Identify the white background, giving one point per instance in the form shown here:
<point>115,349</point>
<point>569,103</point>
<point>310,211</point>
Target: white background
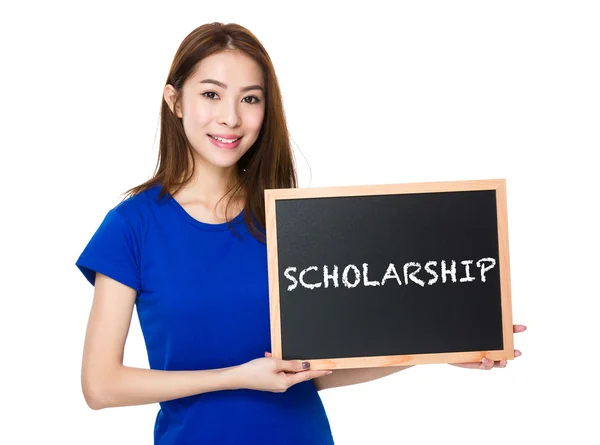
<point>374,93</point>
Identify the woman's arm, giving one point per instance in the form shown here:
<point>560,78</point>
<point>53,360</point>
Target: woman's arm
<point>346,377</point>
<point>106,382</point>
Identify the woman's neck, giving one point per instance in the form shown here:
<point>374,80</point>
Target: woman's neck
<point>207,188</point>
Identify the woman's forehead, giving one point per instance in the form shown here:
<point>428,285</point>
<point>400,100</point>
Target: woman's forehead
<point>229,67</point>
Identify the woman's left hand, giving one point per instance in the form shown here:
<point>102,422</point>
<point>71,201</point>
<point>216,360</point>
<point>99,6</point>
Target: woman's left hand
<point>489,364</point>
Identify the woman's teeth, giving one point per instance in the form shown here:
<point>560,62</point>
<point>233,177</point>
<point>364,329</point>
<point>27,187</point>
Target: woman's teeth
<point>227,141</point>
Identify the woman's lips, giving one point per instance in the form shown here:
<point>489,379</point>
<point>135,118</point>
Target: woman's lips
<point>222,144</point>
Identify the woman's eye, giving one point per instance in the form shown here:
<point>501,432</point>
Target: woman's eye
<point>251,99</point>
<point>210,94</point>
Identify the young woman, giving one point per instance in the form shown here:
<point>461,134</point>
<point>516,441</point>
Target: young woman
<point>187,249</point>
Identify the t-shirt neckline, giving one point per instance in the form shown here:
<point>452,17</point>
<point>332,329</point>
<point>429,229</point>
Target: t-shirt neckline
<point>217,227</point>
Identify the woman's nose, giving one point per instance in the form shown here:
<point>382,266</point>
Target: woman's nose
<point>229,115</point>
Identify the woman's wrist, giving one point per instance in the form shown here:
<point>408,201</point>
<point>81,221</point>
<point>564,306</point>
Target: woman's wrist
<point>232,378</point>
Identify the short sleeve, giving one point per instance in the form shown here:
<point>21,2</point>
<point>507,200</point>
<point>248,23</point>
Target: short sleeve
<point>113,251</point>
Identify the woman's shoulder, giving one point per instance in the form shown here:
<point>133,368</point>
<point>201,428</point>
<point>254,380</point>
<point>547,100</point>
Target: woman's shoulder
<point>139,209</point>
<point>141,202</point>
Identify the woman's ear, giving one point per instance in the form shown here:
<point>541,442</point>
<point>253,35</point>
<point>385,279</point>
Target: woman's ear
<point>170,95</point>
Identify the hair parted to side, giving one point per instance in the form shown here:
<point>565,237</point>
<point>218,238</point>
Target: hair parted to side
<point>268,164</point>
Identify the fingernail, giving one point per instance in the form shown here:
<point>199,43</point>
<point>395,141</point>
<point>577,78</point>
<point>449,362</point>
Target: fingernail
<point>305,365</point>
<point>329,372</point>
<point>486,361</point>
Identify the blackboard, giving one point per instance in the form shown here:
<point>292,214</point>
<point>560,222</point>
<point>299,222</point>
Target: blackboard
<point>382,275</point>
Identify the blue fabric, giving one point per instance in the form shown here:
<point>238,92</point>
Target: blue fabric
<point>202,302</point>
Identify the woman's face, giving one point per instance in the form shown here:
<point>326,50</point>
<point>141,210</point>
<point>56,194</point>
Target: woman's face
<point>222,107</point>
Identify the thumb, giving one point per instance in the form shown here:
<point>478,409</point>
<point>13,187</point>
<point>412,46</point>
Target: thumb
<point>293,365</point>
<point>268,354</point>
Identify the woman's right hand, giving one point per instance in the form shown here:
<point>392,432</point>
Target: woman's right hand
<point>274,375</point>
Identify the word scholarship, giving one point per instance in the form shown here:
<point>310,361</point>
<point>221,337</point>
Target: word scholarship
<point>314,277</point>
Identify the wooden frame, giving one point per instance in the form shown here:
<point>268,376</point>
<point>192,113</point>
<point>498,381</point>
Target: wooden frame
<point>499,185</point>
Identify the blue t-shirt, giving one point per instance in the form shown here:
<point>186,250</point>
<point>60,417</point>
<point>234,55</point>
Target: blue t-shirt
<point>203,303</point>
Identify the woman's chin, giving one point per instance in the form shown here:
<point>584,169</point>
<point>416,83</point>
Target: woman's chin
<point>222,162</point>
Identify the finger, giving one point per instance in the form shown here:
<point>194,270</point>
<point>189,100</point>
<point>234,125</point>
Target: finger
<point>517,353</point>
<point>293,366</point>
<point>307,375</point>
<point>519,328</point>
<point>468,365</point>
<point>268,354</point>
<point>486,364</point>
<point>501,364</point>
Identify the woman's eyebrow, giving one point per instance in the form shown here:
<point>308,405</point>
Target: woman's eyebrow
<point>222,85</point>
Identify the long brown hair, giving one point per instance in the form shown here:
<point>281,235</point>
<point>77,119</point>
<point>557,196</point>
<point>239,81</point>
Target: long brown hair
<point>268,164</point>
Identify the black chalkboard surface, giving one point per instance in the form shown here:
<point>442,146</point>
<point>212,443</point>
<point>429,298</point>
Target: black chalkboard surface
<point>389,275</point>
